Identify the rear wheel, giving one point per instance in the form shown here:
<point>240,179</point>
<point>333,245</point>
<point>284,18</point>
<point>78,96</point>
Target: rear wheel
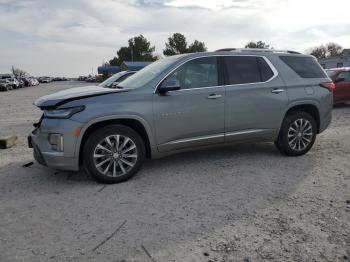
<point>297,135</point>
<point>113,154</point>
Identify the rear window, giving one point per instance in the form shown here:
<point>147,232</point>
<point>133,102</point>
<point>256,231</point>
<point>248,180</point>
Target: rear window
<point>246,70</point>
<point>305,67</point>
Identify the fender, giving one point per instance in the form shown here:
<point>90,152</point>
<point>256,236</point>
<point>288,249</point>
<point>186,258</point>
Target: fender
<point>114,117</point>
<point>298,103</point>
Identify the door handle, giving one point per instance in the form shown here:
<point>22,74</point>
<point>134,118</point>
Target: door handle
<point>277,90</point>
<point>214,96</point>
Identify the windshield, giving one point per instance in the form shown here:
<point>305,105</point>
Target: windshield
<point>109,81</point>
<point>149,72</point>
<point>331,73</point>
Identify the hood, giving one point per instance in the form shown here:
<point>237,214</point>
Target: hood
<point>64,96</point>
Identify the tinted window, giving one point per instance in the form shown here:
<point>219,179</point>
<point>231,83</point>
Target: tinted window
<point>246,69</point>
<point>200,72</point>
<point>265,70</point>
<point>305,67</point>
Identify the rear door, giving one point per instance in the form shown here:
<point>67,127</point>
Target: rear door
<point>194,115</point>
<point>255,98</point>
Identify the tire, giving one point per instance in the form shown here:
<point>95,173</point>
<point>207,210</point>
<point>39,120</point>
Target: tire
<point>297,134</point>
<point>101,147</point>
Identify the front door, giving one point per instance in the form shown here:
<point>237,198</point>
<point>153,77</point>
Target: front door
<point>194,115</point>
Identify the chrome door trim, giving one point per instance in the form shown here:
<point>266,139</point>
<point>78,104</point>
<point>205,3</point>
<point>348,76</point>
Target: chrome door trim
<point>272,67</point>
<point>192,142</point>
<point>243,132</point>
<point>194,139</point>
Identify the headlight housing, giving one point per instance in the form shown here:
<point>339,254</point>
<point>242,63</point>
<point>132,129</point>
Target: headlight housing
<point>63,112</point>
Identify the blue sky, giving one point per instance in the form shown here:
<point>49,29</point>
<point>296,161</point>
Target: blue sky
<point>73,37</point>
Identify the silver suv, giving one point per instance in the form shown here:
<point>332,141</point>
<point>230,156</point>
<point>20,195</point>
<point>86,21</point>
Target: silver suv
<point>182,103</point>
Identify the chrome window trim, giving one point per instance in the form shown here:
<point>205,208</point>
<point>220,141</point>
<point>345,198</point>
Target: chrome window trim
<point>272,67</point>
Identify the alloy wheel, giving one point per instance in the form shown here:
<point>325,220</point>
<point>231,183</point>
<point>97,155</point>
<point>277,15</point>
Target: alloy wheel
<point>115,155</point>
<point>300,134</point>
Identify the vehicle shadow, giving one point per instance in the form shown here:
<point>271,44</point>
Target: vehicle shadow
<point>169,201</point>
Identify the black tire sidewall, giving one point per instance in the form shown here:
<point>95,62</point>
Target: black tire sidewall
<point>96,136</point>
<point>283,144</point>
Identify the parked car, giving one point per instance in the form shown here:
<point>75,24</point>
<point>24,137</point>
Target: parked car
<point>5,85</point>
<point>115,79</point>
<point>341,78</point>
<point>59,79</point>
<point>82,78</point>
<point>182,103</point>
<point>20,83</point>
<point>45,79</point>
<point>33,81</point>
<point>6,76</point>
<point>26,81</point>
<point>14,82</point>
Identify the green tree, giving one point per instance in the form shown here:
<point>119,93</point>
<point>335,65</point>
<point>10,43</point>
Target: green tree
<point>197,46</point>
<point>177,44</point>
<point>138,49</point>
<point>259,44</point>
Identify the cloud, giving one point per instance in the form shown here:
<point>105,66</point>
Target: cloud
<point>69,37</point>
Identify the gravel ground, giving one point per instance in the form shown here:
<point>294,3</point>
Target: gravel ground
<point>239,203</point>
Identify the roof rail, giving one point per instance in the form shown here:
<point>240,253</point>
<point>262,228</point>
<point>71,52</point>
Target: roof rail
<point>226,49</point>
<point>256,50</point>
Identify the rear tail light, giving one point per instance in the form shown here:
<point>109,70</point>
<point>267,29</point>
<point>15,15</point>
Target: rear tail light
<point>328,85</point>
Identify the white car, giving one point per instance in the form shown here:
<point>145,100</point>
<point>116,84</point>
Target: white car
<point>33,81</point>
<point>14,82</point>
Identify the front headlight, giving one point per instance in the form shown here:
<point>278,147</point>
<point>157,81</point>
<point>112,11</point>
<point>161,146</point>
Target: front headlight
<point>64,112</point>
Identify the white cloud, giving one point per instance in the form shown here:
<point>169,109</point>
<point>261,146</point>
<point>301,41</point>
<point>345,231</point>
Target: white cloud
<point>69,37</point>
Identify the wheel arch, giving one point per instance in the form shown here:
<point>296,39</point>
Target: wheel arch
<point>309,107</point>
<point>136,123</point>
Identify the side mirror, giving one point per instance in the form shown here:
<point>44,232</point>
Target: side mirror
<point>169,85</point>
<point>340,79</point>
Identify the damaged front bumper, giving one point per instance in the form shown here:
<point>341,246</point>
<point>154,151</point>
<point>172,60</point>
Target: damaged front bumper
<point>43,151</point>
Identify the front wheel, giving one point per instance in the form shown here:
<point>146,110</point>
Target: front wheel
<point>297,135</point>
<point>113,154</point>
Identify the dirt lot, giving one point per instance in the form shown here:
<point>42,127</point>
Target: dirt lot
<point>240,203</point>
